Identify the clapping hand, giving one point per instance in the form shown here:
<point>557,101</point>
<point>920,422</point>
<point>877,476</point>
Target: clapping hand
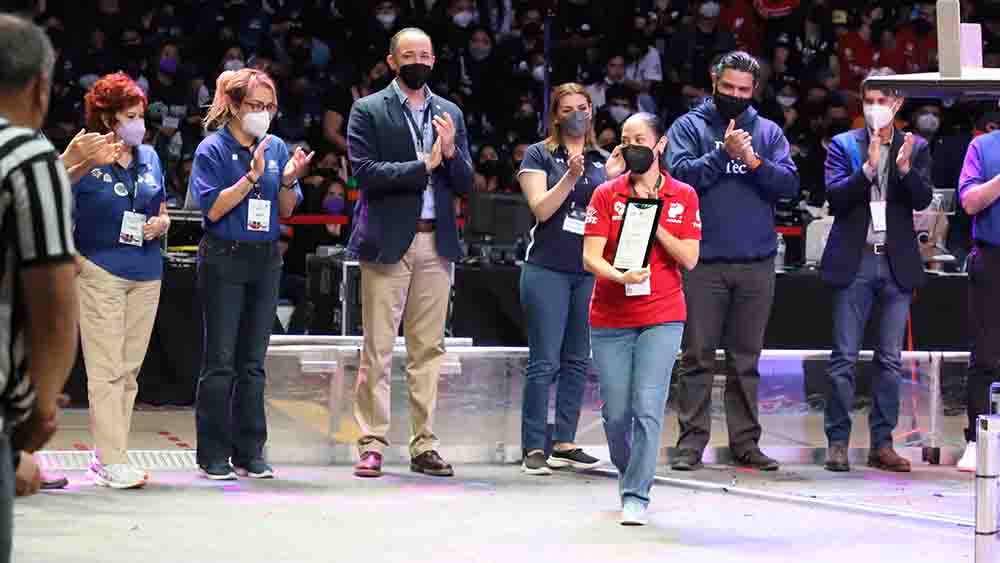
<point>257,166</point>
<point>93,148</point>
<point>576,163</point>
<point>444,125</point>
<point>297,166</point>
<point>738,143</point>
<point>905,152</point>
<point>433,160</point>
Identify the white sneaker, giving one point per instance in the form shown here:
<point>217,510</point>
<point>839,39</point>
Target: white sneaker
<point>634,514</point>
<point>117,476</point>
<point>968,462</point>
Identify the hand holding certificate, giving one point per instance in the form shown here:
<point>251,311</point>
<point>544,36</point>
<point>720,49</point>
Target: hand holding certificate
<point>638,232</point>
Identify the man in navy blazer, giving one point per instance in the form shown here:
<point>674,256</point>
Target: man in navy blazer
<point>409,151</point>
<point>876,178</point>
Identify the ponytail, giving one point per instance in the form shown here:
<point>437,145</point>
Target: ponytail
<point>230,88</point>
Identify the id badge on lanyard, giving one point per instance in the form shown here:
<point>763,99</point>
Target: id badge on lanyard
<point>878,216</point>
<point>259,215</point>
<point>131,231</point>
<point>132,223</point>
<point>575,219</point>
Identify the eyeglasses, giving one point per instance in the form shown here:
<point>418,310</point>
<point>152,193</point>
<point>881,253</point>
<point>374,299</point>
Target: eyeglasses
<point>257,106</point>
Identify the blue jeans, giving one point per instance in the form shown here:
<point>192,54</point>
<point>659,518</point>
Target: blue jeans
<point>851,306</point>
<point>635,366</point>
<point>239,294</point>
<point>556,312</point>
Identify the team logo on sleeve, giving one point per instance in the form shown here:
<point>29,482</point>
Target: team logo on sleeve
<point>272,166</point>
<point>675,212</point>
<point>591,215</point>
<point>619,211</point>
<point>96,173</point>
<point>697,219</point>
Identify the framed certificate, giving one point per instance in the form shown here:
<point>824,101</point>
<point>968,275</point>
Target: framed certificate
<point>637,233</point>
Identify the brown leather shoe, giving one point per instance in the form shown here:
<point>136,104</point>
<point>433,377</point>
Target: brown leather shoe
<point>836,458</point>
<point>430,463</point>
<point>369,466</point>
<point>887,459</point>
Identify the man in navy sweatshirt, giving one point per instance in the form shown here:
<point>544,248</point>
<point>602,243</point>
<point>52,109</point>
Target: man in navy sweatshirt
<point>740,165</point>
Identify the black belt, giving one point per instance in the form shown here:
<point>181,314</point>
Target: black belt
<point>425,225</point>
<point>237,244</point>
<point>877,248</point>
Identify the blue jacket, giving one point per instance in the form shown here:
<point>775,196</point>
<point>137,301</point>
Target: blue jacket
<point>392,180</point>
<point>848,190</point>
<point>737,204</point>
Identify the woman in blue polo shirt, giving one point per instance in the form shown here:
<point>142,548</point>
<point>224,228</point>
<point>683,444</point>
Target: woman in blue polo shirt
<point>244,180</point>
<point>120,213</point>
<point>558,176</point>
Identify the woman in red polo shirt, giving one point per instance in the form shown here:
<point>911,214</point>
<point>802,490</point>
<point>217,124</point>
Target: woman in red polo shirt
<point>635,335</point>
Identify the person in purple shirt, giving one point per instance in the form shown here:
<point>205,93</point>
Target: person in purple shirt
<point>245,181</point>
<point>979,188</point>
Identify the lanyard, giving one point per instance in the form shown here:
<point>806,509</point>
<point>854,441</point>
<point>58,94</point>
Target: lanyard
<point>413,123</point>
<point>656,188</point>
<point>131,184</point>
<point>257,190</point>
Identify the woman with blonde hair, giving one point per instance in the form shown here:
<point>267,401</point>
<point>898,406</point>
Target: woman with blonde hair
<point>558,176</point>
<point>120,214</point>
<point>245,181</point>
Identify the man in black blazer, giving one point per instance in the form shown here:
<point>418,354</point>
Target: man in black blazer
<point>409,152</point>
<point>876,178</point>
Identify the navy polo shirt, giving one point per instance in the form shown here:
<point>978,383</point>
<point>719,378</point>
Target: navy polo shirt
<point>101,199</point>
<point>981,166</point>
<point>551,245</point>
<point>219,162</point>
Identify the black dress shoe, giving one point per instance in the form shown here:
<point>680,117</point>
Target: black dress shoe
<point>836,458</point>
<point>686,460</point>
<point>757,459</point>
<point>369,466</point>
<point>430,463</point>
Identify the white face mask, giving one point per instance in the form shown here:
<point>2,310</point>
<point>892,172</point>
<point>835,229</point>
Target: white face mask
<point>619,113</point>
<point>233,64</point>
<point>878,117</point>
<point>463,18</point>
<point>256,124</point>
<point>538,73</point>
<point>787,101</point>
<point>928,122</point>
<point>386,19</point>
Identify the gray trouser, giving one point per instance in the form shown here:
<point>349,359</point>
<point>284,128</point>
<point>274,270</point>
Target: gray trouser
<point>728,305</point>
<point>6,499</point>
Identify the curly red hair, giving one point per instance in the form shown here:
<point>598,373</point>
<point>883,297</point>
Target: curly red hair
<point>110,95</point>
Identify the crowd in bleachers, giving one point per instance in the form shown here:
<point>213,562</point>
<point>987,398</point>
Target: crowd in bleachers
<point>633,55</point>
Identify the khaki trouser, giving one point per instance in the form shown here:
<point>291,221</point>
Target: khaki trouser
<point>116,321</point>
<point>417,289</point>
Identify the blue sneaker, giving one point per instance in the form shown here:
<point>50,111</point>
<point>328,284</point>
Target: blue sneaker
<point>221,471</point>
<point>255,469</point>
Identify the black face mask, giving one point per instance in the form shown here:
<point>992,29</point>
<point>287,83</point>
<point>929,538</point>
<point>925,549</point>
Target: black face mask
<point>415,75</point>
<point>490,168</point>
<point>638,158</point>
<point>730,107</point>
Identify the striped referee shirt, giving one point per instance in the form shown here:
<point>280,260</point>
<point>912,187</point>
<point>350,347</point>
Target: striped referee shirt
<point>35,228</point>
